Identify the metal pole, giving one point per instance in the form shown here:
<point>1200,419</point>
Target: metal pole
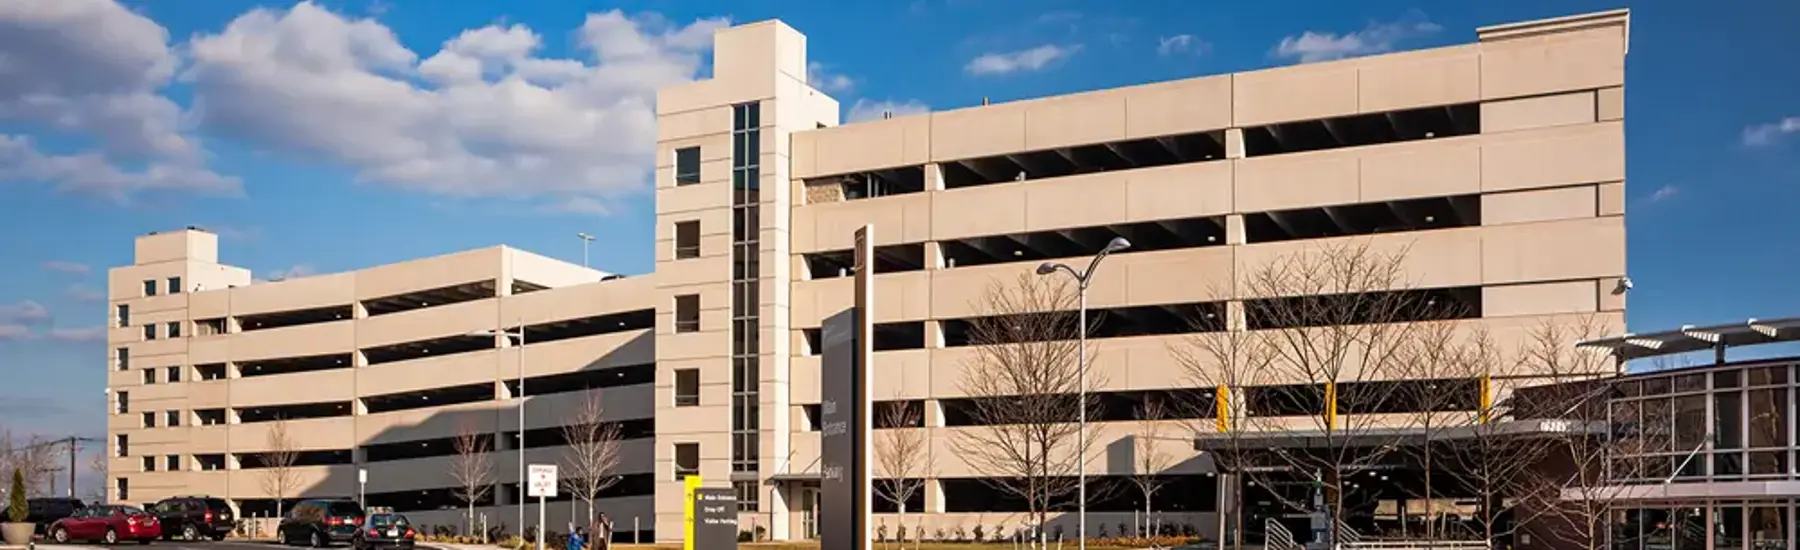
<point>72,466</point>
<point>584,253</point>
<point>540,532</point>
<point>521,441</point>
<point>1081,437</point>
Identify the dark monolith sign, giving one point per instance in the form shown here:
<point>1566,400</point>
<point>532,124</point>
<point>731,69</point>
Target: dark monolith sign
<point>844,390</point>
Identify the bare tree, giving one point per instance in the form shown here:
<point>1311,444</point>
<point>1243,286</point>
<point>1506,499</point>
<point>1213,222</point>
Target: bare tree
<point>1225,361</point>
<point>903,456</point>
<point>593,453</point>
<point>279,477</point>
<point>1446,378</point>
<point>100,468</point>
<point>1574,486</point>
<point>1495,464</point>
<point>1023,384</point>
<point>473,469</point>
<point>35,457</point>
<point>1148,454</point>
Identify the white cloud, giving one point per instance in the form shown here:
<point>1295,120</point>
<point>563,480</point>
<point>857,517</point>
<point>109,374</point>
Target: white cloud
<point>821,77</point>
<point>291,272</point>
<point>83,293</point>
<point>66,267</point>
<point>84,334</point>
<point>1664,193</point>
<point>13,331</point>
<point>483,116</point>
<point>1003,63</point>
<point>1377,37</point>
<point>23,313</point>
<point>1180,43</point>
<point>1766,134</point>
<point>92,69</point>
<point>864,110</point>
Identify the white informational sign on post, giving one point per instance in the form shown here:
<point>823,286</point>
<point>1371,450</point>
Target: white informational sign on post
<point>543,481</point>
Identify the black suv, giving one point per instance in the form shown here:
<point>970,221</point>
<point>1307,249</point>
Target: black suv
<point>45,511</point>
<point>320,522</point>
<point>194,518</point>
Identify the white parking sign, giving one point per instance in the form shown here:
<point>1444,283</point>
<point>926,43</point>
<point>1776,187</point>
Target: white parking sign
<point>543,481</point>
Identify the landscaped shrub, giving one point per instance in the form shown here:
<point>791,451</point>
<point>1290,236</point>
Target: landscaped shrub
<point>16,506</point>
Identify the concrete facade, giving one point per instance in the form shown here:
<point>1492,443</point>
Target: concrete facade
<point>1520,134</point>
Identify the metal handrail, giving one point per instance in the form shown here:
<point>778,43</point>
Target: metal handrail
<point>1277,536</point>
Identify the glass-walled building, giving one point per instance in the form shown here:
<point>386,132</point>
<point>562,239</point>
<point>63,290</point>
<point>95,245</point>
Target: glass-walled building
<point>1705,455</point>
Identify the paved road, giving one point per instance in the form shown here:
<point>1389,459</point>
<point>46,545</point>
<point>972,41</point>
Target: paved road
<point>181,545</point>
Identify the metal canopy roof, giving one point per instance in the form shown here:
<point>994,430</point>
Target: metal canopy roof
<point>1690,338</point>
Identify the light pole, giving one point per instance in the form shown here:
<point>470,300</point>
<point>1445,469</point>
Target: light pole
<point>518,336</point>
<point>585,239</point>
<point>1081,286</point>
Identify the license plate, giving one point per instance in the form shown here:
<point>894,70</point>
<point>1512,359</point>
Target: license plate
<point>393,532</point>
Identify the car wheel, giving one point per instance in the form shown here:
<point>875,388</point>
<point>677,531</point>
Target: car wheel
<point>143,541</point>
<point>112,537</point>
<point>190,533</point>
<point>60,535</point>
<point>218,536</point>
<point>316,540</point>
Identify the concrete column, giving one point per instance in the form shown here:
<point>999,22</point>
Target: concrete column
<point>934,413</point>
<point>934,496</point>
<point>934,256</point>
<point>934,177</point>
<point>1234,143</point>
<point>1235,319</point>
<point>934,334</point>
<point>1234,229</point>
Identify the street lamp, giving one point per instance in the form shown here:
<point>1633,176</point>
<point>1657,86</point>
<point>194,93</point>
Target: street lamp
<point>518,336</point>
<point>585,239</point>
<point>1081,286</point>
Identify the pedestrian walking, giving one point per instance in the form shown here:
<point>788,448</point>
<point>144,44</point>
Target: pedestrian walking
<point>603,532</point>
<point>577,539</point>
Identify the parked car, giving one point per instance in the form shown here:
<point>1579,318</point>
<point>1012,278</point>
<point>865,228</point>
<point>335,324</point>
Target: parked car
<point>45,511</point>
<point>194,517</point>
<point>384,531</point>
<point>320,522</point>
<point>107,523</point>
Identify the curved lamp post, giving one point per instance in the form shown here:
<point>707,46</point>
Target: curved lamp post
<point>1081,285</point>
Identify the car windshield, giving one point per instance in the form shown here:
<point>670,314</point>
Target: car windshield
<point>345,509</point>
<point>387,520</point>
<point>217,504</point>
<point>130,510</point>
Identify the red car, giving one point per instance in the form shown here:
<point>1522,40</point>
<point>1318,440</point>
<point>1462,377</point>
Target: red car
<point>107,523</point>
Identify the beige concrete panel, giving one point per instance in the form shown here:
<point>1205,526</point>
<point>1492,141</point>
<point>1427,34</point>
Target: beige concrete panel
<point>960,292</point>
<point>713,221</point>
<point>714,147</point>
<point>1076,119</point>
<point>1180,191</point>
<point>803,379</point>
<point>208,394</point>
<point>695,271</point>
<point>1442,258</point>
<point>901,374</point>
<point>1539,298</point>
<point>898,297</point>
<point>687,97</point>
<point>320,386</point>
<point>294,341</point>
<point>1281,182</point>
<point>1424,78</point>
<point>1171,276</point>
<point>1610,298</point>
<point>206,304</point>
<point>976,211</point>
<point>599,298</point>
<point>1430,168</point>
<point>158,347</point>
<point>1612,199</point>
<point>1539,205</point>
<point>832,226</point>
<point>310,481</point>
<point>975,132</point>
<point>1610,103</point>
<point>620,402</point>
<point>1177,107</point>
<point>431,372</point>
<point>1586,249</point>
<point>183,244</point>
<point>427,323</point>
<point>1302,92</point>
<point>1076,201</point>
<point>312,433</point>
<point>600,351</point>
<point>206,350</point>
<point>208,439</point>
<point>429,273</point>
<point>436,422</point>
<point>337,289</point>
<point>161,303</point>
<point>1516,336</point>
<point>1567,155</point>
<point>865,146</point>
<point>1541,64</point>
<point>803,153</point>
<point>547,271</point>
<point>689,198</point>
<point>714,344</point>
<point>1538,112</point>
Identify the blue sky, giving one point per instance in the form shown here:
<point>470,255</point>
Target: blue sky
<point>306,134</point>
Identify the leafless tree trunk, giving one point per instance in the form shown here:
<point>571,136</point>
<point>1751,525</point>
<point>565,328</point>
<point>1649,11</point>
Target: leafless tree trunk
<point>904,457</point>
<point>1225,361</point>
<point>593,453</point>
<point>1150,457</point>
<point>279,477</point>
<point>100,468</point>
<point>1024,384</point>
<point>1573,489</point>
<point>1445,373</point>
<point>473,469</point>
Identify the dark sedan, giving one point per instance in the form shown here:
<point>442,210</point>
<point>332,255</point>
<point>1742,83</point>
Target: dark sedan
<point>384,531</point>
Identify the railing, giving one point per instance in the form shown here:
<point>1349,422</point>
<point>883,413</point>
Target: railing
<point>1345,535</point>
<point>1277,536</point>
<point>1417,545</point>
